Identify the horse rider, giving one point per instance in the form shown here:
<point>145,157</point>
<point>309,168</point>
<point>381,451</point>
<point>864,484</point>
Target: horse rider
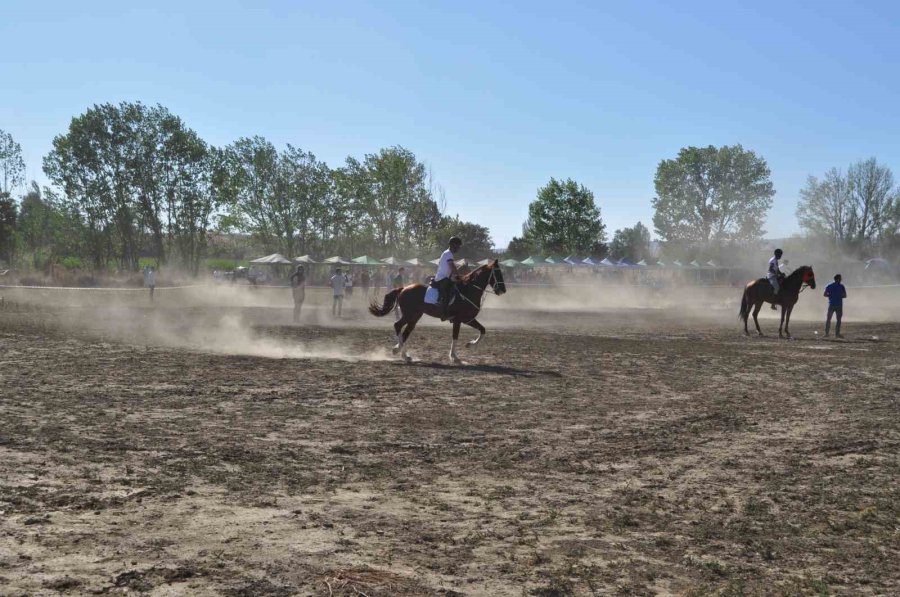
<point>447,275</point>
<point>774,274</point>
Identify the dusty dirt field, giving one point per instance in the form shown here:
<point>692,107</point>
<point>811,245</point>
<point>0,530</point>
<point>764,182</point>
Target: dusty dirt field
<point>150,449</point>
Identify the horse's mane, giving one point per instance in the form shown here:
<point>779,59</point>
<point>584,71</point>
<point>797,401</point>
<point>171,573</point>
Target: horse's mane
<point>472,275</point>
<point>798,272</point>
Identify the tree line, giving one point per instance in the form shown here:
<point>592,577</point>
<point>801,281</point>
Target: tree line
<point>714,201</point>
<point>131,180</point>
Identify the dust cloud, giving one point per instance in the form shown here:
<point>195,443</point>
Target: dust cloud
<point>242,320</point>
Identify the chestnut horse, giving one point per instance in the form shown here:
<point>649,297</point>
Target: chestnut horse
<point>760,291</point>
<point>464,310</point>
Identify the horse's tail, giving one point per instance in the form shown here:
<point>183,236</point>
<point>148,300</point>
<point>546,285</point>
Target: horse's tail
<point>744,313</point>
<point>390,301</point>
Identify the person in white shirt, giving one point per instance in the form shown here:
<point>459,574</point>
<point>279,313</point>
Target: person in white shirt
<point>773,275</point>
<point>348,285</point>
<point>337,287</point>
<point>150,280</point>
<point>447,275</point>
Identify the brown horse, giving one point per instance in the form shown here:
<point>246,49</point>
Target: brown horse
<point>760,291</point>
<point>464,309</point>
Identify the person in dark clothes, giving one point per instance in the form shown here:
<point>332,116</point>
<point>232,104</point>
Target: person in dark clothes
<point>298,288</point>
<point>836,293</point>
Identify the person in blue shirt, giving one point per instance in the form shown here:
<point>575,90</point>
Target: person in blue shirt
<point>836,294</point>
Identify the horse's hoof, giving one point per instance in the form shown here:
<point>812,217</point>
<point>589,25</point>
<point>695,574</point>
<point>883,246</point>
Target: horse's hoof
<point>395,349</point>
<point>407,359</point>
<point>456,360</point>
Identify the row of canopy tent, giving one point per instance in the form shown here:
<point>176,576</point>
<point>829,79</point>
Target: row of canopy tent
<point>363,260</point>
<point>534,261</point>
<point>573,261</point>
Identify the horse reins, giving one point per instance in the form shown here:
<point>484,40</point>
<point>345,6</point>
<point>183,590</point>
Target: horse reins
<point>488,288</point>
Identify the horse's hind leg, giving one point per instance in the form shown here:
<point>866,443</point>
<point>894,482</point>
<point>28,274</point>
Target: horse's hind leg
<point>398,327</point>
<point>474,323</point>
<point>403,338</point>
<point>756,309</point>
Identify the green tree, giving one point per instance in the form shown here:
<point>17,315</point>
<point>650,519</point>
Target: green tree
<point>12,166</point>
<point>193,186</point>
<point>307,185</point>
<point>565,219</point>
<point>7,228</point>
<point>252,191</point>
<point>520,247</point>
<point>134,173</point>
<point>631,243</point>
<point>397,191</point>
<point>477,243</point>
<point>36,224</point>
<point>710,194</point>
<point>88,163</point>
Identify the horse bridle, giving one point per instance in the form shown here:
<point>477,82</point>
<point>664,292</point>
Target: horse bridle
<point>804,283</point>
<point>488,289</point>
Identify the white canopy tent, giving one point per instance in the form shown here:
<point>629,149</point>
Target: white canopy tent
<point>273,259</point>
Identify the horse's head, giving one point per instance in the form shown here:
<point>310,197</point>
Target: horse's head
<point>487,276</point>
<point>809,278</point>
<point>496,279</point>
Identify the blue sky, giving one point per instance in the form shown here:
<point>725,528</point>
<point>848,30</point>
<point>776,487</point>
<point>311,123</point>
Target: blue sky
<point>496,97</point>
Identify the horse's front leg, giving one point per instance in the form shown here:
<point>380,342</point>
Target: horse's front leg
<point>787,321</point>
<point>474,323</point>
<point>781,323</point>
<point>453,355</point>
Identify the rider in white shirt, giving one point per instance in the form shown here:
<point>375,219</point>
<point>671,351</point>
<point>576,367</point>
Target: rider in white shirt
<point>774,273</point>
<point>447,275</point>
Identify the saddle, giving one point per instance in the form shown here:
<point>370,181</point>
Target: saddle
<point>433,292</point>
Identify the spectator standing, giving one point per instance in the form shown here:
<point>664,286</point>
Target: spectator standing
<point>836,293</point>
<point>298,289</point>
<point>150,280</point>
<point>348,284</point>
<point>399,281</point>
<point>337,288</point>
<point>365,281</point>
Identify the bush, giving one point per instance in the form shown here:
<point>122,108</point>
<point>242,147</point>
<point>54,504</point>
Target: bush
<point>221,264</point>
<point>72,263</point>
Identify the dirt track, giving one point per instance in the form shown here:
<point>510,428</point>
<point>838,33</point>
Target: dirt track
<point>621,452</point>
